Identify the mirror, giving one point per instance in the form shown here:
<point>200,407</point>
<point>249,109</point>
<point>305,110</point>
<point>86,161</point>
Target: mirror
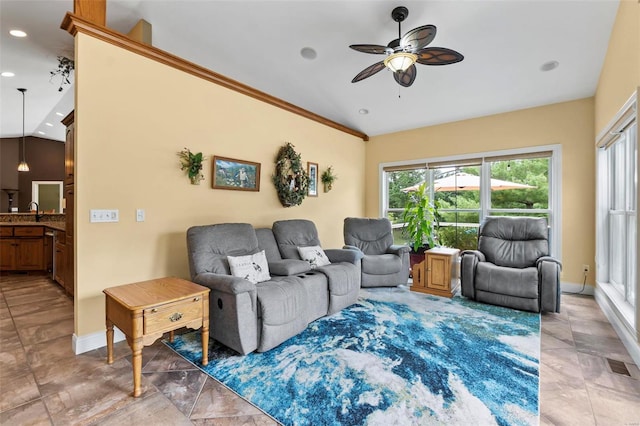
<point>48,195</point>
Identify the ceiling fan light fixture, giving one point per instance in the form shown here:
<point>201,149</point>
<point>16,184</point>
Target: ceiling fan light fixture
<point>400,61</point>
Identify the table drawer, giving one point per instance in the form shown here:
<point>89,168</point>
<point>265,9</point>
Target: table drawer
<point>28,231</point>
<point>6,231</point>
<point>172,315</point>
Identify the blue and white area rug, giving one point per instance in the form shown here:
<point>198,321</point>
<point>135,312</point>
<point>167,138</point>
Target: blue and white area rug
<point>395,357</point>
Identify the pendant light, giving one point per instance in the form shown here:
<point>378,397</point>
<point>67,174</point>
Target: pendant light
<point>23,166</point>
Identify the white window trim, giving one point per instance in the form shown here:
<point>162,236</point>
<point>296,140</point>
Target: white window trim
<point>555,184</point>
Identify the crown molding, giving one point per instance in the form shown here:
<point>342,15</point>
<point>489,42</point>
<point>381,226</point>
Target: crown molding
<point>74,24</point>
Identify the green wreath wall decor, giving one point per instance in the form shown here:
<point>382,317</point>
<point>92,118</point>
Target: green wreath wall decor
<point>291,178</point>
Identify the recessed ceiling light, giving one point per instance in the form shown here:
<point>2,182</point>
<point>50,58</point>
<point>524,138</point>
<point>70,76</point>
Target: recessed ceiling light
<point>8,74</point>
<point>308,53</point>
<point>18,33</point>
<point>363,111</point>
<point>59,114</point>
<point>48,124</point>
<point>548,66</point>
<point>40,132</point>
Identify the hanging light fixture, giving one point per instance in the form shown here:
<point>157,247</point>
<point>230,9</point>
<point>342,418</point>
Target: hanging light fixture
<point>23,166</point>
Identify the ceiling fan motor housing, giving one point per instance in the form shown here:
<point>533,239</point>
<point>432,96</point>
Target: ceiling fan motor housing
<point>400,13</point>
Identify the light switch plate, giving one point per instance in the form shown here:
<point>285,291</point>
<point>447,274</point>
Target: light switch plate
<point>139,215</point>
<point>103,216</point>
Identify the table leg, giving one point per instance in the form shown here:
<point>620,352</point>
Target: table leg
<point>205,344</point>
<point>109,342</point>
<point>171,336</point>
<point>136,360</point>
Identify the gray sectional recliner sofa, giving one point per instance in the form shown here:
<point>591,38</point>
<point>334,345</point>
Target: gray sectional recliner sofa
<point>247,316</point>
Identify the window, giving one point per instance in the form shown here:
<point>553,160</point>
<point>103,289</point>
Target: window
<point>616,214</point>
<point>468,189</point>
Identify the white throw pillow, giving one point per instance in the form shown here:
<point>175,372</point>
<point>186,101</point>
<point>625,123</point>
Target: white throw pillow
<point>314,255</point>
<point>253,267</point>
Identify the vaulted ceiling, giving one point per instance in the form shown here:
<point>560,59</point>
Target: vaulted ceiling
<point>259,43</point>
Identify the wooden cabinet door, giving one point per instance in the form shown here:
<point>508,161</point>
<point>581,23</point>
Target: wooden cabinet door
<point>30,254</point>
<point>438,277</point>
<point>68,268</point>
<point>7,254</point>
<point>70,201</point>
<point>69,149</point>
<point>60,264</point>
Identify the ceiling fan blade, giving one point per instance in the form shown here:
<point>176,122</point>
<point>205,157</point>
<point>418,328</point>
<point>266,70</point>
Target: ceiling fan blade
<point>370,48</point>
<point>438,56</point>
<point>406,78</point>
<point>369,71</point>
<point>418,38</point>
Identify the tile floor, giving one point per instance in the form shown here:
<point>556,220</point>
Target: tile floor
<point>42,382</point>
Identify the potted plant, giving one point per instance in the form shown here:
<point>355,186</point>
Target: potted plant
<point>421,221</point>
<point>192,163</point>
<point>328,178</point>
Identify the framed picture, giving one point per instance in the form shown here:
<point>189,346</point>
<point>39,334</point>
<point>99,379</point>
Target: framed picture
<point>312,171</point>
<point>229,173</point>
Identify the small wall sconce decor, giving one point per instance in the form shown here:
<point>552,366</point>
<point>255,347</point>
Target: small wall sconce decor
<point>64,70</point>
<point>192,163</point>
<point>291,179</point>
<point>328,178</point>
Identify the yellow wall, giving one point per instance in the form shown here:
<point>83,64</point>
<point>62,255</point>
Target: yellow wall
<point>132,116</point>
<point>620,75</point>
<point>569,124</point>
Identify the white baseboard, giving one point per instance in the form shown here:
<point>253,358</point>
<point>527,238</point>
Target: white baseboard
<point>89,342</point>
<point>629,340</point>
<point>567,287</point>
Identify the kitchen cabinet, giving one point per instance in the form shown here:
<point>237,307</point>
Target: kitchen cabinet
<point>22,248</point>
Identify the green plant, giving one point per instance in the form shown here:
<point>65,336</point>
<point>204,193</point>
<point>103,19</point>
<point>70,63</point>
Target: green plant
<point>65,67</point>
<point>192,163</point>
<point>328,177</point>
<point>420,219</point>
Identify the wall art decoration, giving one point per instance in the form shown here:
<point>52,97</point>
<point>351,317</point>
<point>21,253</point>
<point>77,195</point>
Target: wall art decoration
<point>192,163</point>
<point>312,171</point>
<point>240,175</point>
<point>290,179</point>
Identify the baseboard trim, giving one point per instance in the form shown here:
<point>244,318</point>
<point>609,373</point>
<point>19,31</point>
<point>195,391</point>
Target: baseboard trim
<point>610,311</point>
<point>576,288</point>
<point>89,342</point>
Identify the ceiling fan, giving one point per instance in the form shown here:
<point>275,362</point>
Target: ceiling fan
<point>405,51</point>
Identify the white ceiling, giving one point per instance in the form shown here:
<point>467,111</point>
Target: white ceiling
<point>258,43</point>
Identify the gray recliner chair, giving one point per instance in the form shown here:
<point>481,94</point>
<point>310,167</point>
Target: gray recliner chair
<point>383,263</point>
<point>512,266</point>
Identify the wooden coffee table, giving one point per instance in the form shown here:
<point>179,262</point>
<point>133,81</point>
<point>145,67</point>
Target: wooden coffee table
<point>144,311</point>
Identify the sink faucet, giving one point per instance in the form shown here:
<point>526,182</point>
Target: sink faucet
<point>38,216</point>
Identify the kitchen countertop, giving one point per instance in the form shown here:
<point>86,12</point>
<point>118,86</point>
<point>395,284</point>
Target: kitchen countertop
<point>58,226</point>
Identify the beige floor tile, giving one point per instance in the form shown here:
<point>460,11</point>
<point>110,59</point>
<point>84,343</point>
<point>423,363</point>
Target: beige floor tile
<point>594,328</point>
<point>180,387</point>
<point>256,420</point>
<point>597,372</point>
<point>556,333</point>
<point>152,410</point>
<point>607,347</point>
<point>17,391</point>
<point>33,413</point>
<point>560,369</point>
<point>567,407</point>
<point>43,317</point>
<point>95,395</point>
<point>13,363</point>
<point>216,401</point>
<point>41,305</point>
<point>42,333</point>
<point>167,360</point>
<point>612,407</point>
<point>56,352</point>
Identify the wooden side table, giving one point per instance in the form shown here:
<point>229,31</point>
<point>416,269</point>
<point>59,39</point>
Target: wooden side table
<point>438,273</point>
<point>146,310</point>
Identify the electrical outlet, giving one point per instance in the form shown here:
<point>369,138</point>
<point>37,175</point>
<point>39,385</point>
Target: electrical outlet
<point>585,269</point>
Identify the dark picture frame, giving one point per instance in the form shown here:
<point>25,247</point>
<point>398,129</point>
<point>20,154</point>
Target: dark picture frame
<point>312,172</point>
<point>234,174</point>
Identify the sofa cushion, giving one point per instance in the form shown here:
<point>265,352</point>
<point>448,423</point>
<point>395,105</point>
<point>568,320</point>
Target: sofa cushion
<point>314,255</point>
<point>294,233</point>
<point>508,281</point>
<point>253,267</point>
<point>288,267</point>
<point>516,242</point>
<point>381,264</point>
<point>372,236</point>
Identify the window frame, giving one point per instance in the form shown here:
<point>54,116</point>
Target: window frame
<point>555,185</point>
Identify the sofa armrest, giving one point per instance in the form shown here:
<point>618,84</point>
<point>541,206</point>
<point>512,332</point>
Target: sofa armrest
<point>344,255</point>
<point>224,283</point>
<point>348,247</point>
<point>287,267</point>
<point>398,249</point>
<point>478,254</point>
<point>549,259</point>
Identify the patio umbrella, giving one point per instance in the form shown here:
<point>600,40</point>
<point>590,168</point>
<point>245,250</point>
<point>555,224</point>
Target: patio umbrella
<point>466,182</point>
